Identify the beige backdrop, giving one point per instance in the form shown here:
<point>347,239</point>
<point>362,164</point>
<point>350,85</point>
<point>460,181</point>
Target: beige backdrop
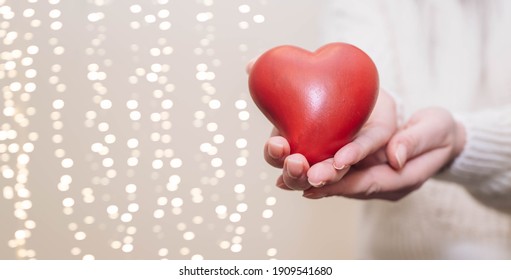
<point>127,132</point>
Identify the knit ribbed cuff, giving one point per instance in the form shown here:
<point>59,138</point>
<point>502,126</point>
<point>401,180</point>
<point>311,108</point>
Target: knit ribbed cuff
<point>484,165</point>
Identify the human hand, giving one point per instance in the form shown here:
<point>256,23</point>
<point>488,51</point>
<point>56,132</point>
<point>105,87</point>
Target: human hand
<point>429,141</point>
<point>365,150</point>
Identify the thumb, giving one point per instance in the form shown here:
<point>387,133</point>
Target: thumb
<point>426,130</point>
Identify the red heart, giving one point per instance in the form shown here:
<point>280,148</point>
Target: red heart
<point>317,100</point>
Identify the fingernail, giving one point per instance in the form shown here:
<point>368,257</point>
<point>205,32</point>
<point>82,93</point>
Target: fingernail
<point>276,146</point>
<point>401,155</point>
<point>294,168</point>
<point>280,184</point>
<point>342,167</point>
<point>316,184</point>
<point>312,195</point>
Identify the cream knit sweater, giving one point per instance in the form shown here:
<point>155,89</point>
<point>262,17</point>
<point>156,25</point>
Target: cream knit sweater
<point>455,54</point>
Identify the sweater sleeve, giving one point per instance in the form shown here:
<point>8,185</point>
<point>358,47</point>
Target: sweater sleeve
<point>484,165</point>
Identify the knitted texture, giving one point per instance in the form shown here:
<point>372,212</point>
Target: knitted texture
<point>484,166</point>
<point>452,54</point>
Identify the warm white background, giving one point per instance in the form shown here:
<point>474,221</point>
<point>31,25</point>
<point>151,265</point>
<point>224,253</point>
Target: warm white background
<point>80,78</point>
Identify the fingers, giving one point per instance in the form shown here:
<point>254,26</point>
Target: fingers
<point>294,167</point>
<point>370,139</point>
<point>373,136</point>
<point>427,130</point>
<point>384,182</point>
<point>324,173</point>
<point>294,172</point>
<point>276,150</point>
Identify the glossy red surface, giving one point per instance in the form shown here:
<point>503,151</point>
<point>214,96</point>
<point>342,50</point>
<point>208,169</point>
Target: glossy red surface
<point>318,100</point>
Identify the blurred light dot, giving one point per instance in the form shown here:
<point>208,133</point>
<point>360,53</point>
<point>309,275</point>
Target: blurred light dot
<point>132,143</point>
<point>58,104</point>
<point>158,214</point>
<point>110,138</point>
<point>243,25</point>
<point>132,161</point>
<point>80,235</point>
<point>155,51</point>
<point>150,18</point>
<point>135,25</point>
<point>272,252</point>
<point>237,239</point>
<point>244,9</point>
<point>58,50</point>
<point>127,248</point>
<point>30,87</point>
<point>202,17</point>
<point>244,115</point>
<point>211,127</point>
<point>176,163</point>
<point>68,202</point>
<point>239,188</point>
<point>167,104</point>
<point>163,252</point>
<point>95,17</point>
<point>240,104</point>
<point>163,13</point>
<point>165,25</point>
<point>56,25</point>
<point>258,18</point>
<point>157,164</point>
<point>216,162</point>
<point>236,248</point>
<point>126,217</point>
<point>20,234</point>
<point>184,251</point>
<point>67,163</point>
<point>214,104</point>
<point>152,77</point>
<point>240,230</point>
<point>241,143</point>
<point>235,217</point>
<point>132,104</point>
<point>88,220</point>
<point>88,257</point>
<point>162,201</point>
<point>112,209</point>
<point>28,13</point>
<point>270,201</point>
<point>32,49</point>
<point>225,244</point>
<point>198,220</point>
<point>8,192</point>
<point>221,209</point>
<point>116,244</point>
<point>131,188</point>
<point>31,73</point>
<point>135,115</point>
<point>218,138</point>
<point>177,202</point>
<point>108,162</point>
<point>268,213</point>
<point>105,104</point>
<point>135,9</point>
<point>241,161</point>
<point>242,207</point>
<point>188,235</point>
<point>29,224</point>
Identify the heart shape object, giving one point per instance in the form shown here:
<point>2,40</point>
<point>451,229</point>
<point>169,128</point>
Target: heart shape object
<point>317,100</point>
